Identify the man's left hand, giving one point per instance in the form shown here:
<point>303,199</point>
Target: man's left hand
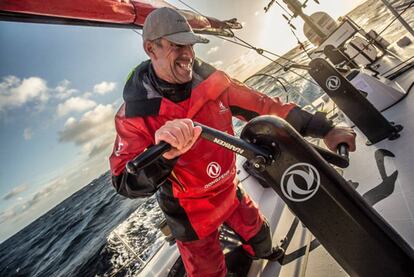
<point>340,135</point>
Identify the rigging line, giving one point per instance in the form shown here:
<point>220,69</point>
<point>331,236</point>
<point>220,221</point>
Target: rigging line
<point>273,61</point>
<point>254,48</point>
<point>371,41</point>
<point>291,70</point>
<point>400,7</point>
<point>135,31</point>
<point>301,44</point>
<point>235,42</point>
<point>258,50</point>
<point>283,8</point>
<point>249,45</point>
<point>399,15</point>
<point>277,79</point>
<point>290,60</point>
<point>191,8</point>
<point>394,67</point>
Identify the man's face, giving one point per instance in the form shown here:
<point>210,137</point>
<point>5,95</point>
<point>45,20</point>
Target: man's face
<point>172,63</point>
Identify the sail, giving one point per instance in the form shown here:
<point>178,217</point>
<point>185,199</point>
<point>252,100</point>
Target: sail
<point>105,13</point>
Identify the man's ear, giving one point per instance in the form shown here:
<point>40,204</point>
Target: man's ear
<point>149,48</point>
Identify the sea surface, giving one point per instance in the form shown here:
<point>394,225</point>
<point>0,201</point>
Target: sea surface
<point>96,232</point>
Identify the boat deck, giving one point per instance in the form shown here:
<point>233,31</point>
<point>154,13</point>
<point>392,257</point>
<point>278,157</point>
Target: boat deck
<point>382,174</point>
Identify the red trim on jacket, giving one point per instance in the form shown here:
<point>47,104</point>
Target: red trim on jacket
<point>205,177</point>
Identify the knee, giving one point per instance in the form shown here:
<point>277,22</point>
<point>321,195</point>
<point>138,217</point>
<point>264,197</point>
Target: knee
<point>262,241</point>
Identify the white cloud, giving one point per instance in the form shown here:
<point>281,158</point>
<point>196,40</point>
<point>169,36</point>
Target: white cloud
<point>95,131</point>
<point>217,64</point>
<point>63,91</point>
<point>27,133</point>
<point>15,92</point>
<point>91,126</point>
<point>100,145</point>
<point>87,94</point>
<point>45,192</point>
<point>14,192</point>
<point>245,65</point>
<point>8,214</point>
<point>212,50</point>
<point>70,121</point>
<point>9,81</point>
<point>104,87</point>
<point>74,104</point>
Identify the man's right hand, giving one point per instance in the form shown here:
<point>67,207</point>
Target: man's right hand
<point>180,134</point>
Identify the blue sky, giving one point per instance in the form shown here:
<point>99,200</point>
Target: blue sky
<point>61,85</point>
<point>48,75</point>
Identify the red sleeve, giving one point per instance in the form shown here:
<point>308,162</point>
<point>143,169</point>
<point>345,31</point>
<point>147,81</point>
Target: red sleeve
<point>244,99</point>
<point>131,140</point>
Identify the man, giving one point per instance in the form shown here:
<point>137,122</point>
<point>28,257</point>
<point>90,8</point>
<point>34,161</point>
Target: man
<point>163,96</point>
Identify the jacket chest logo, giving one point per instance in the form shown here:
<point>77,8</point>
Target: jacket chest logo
<point>213,170</point>
<point>119,148</point>
<point>222,108</point>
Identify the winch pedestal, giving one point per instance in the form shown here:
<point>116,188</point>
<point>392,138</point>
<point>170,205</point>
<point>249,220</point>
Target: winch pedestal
<point>351,230</point>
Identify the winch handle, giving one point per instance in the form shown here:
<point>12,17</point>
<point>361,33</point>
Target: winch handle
<point>237,145</point>
<point>232,143</point>
<point>341,159</point>
<point>147,157</point>
<point>343,150</point>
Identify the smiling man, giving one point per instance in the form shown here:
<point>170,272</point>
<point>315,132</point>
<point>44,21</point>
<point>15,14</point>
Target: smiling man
<point>195,182</point>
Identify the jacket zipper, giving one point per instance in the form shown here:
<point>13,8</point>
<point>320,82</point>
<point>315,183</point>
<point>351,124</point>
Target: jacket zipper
<point>178,181</point>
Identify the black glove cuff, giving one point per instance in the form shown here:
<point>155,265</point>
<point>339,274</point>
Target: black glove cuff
<point>306,124</point>
<point>319,126</point>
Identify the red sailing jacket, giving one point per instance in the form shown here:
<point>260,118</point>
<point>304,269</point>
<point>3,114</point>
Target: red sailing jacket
<point>203,180</point>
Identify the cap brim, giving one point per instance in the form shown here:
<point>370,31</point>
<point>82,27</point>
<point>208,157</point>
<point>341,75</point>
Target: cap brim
<point>186,38</point>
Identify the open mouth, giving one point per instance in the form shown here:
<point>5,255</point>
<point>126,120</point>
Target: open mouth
<point>185,65</point>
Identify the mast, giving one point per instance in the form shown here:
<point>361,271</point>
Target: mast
<point>296,7</point>
<point>398,16</point>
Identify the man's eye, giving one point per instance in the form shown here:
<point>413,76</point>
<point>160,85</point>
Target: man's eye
<point>176,46</point>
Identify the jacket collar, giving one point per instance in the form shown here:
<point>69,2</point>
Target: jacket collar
<point>143,97</point>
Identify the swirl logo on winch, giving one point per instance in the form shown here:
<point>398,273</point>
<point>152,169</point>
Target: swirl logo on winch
<point>213,170</point>
<point>300,182</point>
<point>333,83</point>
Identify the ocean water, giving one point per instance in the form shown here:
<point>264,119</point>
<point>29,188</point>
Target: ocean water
<point>70,239</point>
<point>96,232</point>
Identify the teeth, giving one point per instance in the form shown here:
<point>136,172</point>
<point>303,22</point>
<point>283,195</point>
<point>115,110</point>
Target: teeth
<point>186,66</point>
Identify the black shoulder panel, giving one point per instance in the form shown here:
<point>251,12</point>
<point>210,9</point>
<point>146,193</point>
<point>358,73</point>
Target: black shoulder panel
<point>136,94</point>
<point>142,108</point>
<point>203,69</point>
<point>134,89</point>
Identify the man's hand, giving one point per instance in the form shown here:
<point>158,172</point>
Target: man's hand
<point>340,135</point>
<point>180,133</point>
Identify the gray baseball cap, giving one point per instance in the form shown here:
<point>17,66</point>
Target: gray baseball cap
<point>169,24</point>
